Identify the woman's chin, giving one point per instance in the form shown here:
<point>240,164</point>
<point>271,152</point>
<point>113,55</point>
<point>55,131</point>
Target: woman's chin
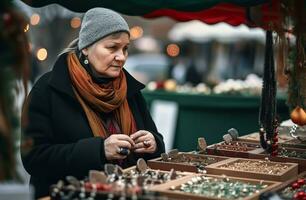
<point>114,74</point>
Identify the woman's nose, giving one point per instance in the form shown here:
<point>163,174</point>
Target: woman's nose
<point>120,56</point>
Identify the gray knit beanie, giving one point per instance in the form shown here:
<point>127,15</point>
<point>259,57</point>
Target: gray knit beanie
<point>98,23</point>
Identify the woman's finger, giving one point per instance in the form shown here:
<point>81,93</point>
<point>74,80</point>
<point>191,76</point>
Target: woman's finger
<point>122,137</point>
<point>138,134</point>
<point>125,144</point>
<point>141,139</point>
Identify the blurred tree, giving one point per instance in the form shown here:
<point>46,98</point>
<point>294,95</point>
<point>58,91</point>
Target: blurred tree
<point>14,53</point>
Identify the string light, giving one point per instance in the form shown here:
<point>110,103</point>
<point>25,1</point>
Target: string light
<point>35,19</point>
<point>173,50</point>
<point>75,22</point>
<point>136,32</point>
<point>42,54</point>
<point>26,28</point>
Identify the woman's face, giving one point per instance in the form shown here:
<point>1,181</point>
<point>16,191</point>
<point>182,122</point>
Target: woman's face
<point>108,55</point>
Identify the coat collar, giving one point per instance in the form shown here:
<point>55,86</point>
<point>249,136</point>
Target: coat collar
<point>60,79</point>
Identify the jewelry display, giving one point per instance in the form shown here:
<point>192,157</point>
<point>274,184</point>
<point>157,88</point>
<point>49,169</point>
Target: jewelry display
<point>295,143</point>
<point>221,188</point>
<point>292,153</point>
<point>200,161</point>
<point>255,137</point>
<point>114,183</point>
<point>235,146</point>
<point>296,191</point>
<point>261,166</point>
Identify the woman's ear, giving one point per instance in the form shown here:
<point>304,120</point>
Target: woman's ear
<point>85,51</point>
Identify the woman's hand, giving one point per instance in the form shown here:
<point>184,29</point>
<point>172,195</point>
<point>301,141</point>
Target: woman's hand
<point>114,143</point>
<point>144,142</point>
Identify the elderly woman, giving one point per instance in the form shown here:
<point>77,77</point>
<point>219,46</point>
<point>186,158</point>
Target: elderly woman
<point>88,110</point>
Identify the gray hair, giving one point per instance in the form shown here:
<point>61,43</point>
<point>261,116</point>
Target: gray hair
<point>72,47</point>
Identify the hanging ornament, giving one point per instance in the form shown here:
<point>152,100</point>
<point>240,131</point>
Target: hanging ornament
<point>267,115</point>
<point>298,116</point>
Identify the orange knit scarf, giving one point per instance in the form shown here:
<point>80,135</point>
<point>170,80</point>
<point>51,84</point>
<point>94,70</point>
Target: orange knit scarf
<point>101,98</point>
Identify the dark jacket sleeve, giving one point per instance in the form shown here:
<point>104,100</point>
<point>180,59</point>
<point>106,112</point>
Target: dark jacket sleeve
<point>150,126</point>
<point>42,156</point>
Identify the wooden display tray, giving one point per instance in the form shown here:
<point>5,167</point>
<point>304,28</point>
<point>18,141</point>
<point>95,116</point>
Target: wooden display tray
<point>254,137</point>
<point>187,167</point>
<point>118,193</point>
<point>261,154</point>
<point>212,150</point>
<point>164,189</point>
<point>278,189</point>
<point>289,173</point>
<point>179,172</point>
<point>289,182</point>
<point>294,143</point>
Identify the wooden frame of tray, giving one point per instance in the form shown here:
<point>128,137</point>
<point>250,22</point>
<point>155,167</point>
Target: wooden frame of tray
<point>215,169</point>
<point>260,154</point>
<point>163,189</point>
<point>254,137</point>
<point>184,173</point>
<point>167,166</point>
<point>232,153</point>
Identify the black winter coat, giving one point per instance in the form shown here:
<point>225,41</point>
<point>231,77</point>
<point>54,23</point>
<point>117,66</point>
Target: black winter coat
<point>63,143</point>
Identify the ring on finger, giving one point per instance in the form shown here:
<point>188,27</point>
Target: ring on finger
<point>123,151</point>
<point>146,143</point>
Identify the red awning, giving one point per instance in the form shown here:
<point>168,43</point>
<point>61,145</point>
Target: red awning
<point>262,15</point>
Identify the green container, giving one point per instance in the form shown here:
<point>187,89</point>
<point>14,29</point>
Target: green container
<point>210,116</point>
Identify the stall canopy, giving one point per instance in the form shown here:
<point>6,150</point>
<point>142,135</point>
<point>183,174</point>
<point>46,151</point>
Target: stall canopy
<point>233,12</point>
<point>221,32</point>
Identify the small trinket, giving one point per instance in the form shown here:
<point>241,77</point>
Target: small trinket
<point>109,168</point>
<point>97,176</point>
<point>119,170</point>
<point>140,180</point>
<point>227,138</point>
<point>172,174</point>
<point>233,133</point>
<point>202,144</point>
<point>173,153</point>
<point>141,165</point>
<point>60,184</point>
<point>73,181</point>
<point>164,156</point>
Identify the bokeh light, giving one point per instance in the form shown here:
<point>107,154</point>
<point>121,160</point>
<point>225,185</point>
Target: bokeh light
<point>136,32</point>
<point>35,19</point>
<point>26,28</point>
<point>75,22</point>
<point>42,54</point>
<point>173,50</point>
